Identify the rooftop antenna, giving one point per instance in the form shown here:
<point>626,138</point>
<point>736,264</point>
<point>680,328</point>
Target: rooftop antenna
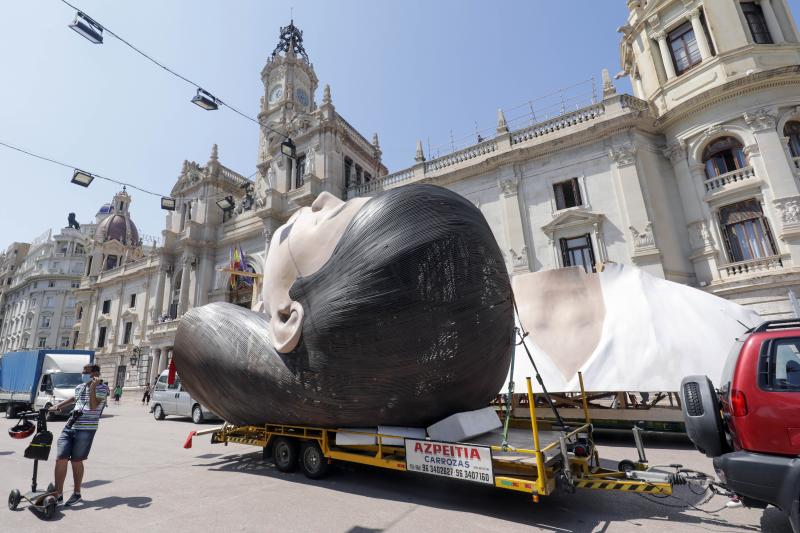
<point>452,141</point>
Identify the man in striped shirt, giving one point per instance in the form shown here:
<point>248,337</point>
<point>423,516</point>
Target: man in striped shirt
<point>76,441</point>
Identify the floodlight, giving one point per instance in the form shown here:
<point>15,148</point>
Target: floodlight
<point>79,177</point>
<point>87,27</point>
<point>167,203</point>
<point>288,148</point>
<point>226,204</point>
<point>206,100</point>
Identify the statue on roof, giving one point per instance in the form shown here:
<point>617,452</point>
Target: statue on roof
<point>72,221</point>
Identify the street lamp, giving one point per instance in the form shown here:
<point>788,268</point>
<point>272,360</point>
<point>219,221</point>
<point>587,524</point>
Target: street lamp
<point>288,148</point>
<point>87,27</point>
<point>226,204</point>
<point>206,100</point>
<point>79,177</point>
<point>167,203</point>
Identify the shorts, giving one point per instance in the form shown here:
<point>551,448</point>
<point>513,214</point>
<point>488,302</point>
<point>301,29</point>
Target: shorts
<point>74,444</point>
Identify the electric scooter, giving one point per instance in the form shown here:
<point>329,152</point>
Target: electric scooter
<point>42,501</point>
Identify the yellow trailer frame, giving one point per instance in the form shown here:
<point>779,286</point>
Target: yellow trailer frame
<point>532,471</point>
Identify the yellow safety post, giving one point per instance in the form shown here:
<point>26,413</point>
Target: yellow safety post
<point>541,482</point>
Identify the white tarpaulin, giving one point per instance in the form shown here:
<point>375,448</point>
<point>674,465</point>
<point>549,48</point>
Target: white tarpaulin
<point>629,332</point>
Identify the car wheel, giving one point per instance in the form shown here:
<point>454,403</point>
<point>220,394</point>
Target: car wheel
<point>313,462</point>
<point>13,499</point>
<point>197,414</point>
<point>284,453</point>
<point>158,412</point>
<point>701,414</point>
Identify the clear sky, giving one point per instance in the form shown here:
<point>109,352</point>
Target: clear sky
<point>407,70</point>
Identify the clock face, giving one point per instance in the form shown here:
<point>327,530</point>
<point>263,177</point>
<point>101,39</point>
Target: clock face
<point>302,97</point>
<point>276,93</point>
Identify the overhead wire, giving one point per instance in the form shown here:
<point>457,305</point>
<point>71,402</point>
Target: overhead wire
<point>174,72</point>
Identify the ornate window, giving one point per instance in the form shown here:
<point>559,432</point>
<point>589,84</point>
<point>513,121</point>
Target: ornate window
<point>577,251</point>
<point>722,156</point>
<point>683,48</point>
<point>299,179</point>
<point>792,131</point>
<point>746,231</point>
<point>756,22</point>
<point>126,336</point>
<point>568,194</point>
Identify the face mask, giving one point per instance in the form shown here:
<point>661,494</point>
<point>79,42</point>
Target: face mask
<point>86,378</point>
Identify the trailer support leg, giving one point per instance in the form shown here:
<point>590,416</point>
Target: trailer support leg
<point>637,437</point>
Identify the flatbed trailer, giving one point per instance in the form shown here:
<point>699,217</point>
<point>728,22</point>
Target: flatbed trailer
<point>533,456</point>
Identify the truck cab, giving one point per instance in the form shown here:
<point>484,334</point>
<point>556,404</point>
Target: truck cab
<point>60,376</point>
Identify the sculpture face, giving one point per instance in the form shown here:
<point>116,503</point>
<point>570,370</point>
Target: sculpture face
<point>300,248</point>
<point>393,310</point>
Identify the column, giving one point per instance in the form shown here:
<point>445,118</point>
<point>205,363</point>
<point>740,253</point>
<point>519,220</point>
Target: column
<point>699,34</point>
<point>514,225</point>
<point>772,21</point>
<point>162,360</point>
<point>641,234</point>
<point>158,307</point>
<point>777,168</point>
<point>183,300</point>
<point>155,355</point>
<point>666,58</point>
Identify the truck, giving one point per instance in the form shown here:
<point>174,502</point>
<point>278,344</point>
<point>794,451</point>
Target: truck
<point>40,378</point>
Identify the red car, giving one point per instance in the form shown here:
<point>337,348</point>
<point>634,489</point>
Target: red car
<point>750,425</point>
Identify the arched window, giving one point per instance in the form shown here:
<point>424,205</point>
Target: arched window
<point>722,156</point>
<point>746,231</point>
<point>792,131</point>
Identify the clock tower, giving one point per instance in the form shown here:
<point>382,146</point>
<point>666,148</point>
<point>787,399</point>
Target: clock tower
<point>289,87</point>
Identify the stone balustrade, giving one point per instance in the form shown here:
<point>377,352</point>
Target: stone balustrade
<point>380,184</point>
<point>558,123</point>
<point>233,177</point>
<point>754,266</point>
<point>471,152</point>
<point>162,329</point>
<point>735,176</point>
<point>356,137</point>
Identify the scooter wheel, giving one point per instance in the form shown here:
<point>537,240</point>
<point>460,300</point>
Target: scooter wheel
<point>13,499</point>
<point>49,507</point>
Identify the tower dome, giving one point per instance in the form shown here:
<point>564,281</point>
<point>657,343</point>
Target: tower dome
<point>117,225</point>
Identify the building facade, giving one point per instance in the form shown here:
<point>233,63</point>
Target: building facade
<point>39,302</point>
<point>693,178</point>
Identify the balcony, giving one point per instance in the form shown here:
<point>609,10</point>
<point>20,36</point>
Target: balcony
<point>162,329</point>
<point>725,181</point>
<point>754,266</point>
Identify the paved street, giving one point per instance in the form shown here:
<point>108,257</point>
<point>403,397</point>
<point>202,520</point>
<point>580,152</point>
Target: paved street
<point>139,478</point>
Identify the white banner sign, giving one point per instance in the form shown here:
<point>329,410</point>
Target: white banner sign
<point>450,459</point>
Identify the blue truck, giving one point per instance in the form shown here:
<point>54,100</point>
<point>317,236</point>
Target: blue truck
<point>39,378</point>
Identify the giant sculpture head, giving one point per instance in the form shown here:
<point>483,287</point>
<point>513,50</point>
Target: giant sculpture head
<point>390,310</point>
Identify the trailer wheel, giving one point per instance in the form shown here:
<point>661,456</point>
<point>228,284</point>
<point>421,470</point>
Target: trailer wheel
<point>626,465</point>
<point>284,453</point>
<point>158,412</point>
<point>13,499</point>
<point>313,461</point>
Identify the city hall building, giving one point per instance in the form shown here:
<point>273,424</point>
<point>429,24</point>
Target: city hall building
<point>693,178</point>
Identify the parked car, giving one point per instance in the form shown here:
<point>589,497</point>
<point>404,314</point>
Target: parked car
<point>750,426</point>
<point>175,400</point>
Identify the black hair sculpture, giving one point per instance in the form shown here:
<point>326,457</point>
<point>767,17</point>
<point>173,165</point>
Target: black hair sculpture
<point>409,321</point>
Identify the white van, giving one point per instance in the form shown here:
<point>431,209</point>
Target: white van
<point>174,400</point>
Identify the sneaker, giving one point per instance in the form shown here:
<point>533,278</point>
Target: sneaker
<point>60,501</point>
<point>75,498</point>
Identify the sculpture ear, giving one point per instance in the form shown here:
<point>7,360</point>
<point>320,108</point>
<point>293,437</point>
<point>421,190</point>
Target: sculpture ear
<point>286,329</point>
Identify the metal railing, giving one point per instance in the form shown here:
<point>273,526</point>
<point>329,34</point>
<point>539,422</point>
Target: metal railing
<point>718,182</point>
